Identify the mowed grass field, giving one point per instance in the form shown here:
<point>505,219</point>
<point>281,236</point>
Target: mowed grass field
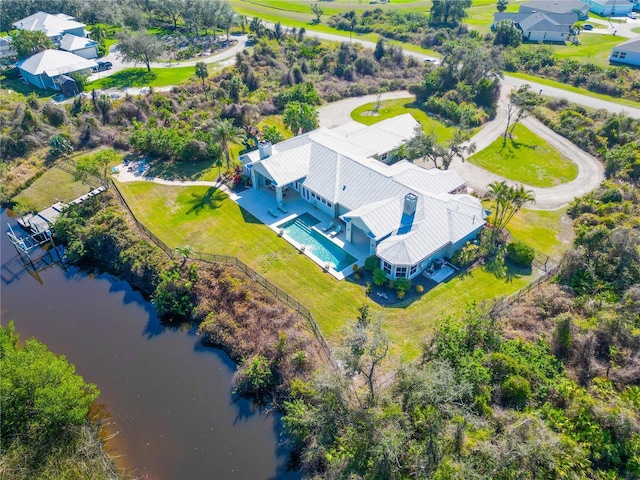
<point>140,77</point>
<point>526,158</point>
<point>209,221</point>
<point>391,108</point>
<point>593,48</point>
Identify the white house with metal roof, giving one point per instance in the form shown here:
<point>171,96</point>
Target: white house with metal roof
<point>53,26</point>
<point>556,6</point>
<point>81,46</point>
<point>43,69</point>
<point>627,53</point>
<point>405,215</point>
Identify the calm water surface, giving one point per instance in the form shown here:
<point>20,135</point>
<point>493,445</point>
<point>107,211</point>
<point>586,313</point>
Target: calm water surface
<point>169,398</point>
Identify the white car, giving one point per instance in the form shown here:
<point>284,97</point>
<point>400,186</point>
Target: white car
<point>632,15</point>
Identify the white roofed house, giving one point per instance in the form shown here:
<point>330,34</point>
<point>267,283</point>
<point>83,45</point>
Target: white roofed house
<point>45,68</point>
<point>81,46</point>
<point>626,53</point>
<point>53,26</point>
<point>405,215</point>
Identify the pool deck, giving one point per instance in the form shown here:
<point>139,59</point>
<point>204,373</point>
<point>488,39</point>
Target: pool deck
<point>258,202</point>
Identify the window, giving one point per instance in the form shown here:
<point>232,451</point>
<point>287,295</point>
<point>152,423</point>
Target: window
<point>387,268</point>
<point>623,55</point>
<point>384,157</point>
<point>615,54</point>
<point>414,269</point>
<point>329,204</point>
<point>401,272</point>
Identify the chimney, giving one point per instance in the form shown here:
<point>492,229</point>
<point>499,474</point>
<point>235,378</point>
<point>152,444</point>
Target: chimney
<point>264,147</point>
<point>410,202</point>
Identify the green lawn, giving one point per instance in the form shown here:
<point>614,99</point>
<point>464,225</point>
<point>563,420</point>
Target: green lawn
<point>480,15</point>
<point>571,88</point>
<point>19,90</point>
<point>593,48</point>
<point>532,227</point>
<point>210,222</point>
<point>526,158</point>
<point>392,108</point>
<point>636,30</point>
<point>297,13</point>
<point>140,77</point>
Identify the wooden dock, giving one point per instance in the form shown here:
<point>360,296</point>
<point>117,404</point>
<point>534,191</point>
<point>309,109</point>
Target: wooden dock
<point>41,222</point>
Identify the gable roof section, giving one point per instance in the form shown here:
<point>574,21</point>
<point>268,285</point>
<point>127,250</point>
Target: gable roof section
<point>556,6</point>
<point>384,136</point>
<point>54,62</point>
<point>286,167</point>
<point>540,22</point>
<point>549,22</point>
<point>629,46</point>
<point>71,43</point>
<point>446,220</point>
<point>51,25</point>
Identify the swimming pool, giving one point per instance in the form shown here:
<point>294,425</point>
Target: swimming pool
<point>299,229</point>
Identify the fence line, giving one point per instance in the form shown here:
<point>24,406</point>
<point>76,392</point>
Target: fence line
<point>231,261</point>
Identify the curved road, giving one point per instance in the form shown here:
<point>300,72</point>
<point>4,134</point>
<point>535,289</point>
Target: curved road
<point>590,172</point>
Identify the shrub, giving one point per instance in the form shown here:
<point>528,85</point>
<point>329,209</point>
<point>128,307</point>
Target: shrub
<point>371,263</point>
<point>379,278</point>
<point>402,285</point>
<point>516,391</point>
<point>465,257</point>
<point>419,288</point>
<point>520,254</point>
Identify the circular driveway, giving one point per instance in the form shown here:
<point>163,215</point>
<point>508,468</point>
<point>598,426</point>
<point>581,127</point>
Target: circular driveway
<point>590,171</point>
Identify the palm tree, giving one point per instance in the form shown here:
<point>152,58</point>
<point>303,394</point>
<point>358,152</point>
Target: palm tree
<point>99,33</point>
<point>223,132</point>
<point>202,72</point>
<point>508,201</point>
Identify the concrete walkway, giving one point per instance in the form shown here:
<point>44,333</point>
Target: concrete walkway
<point>590,171</point>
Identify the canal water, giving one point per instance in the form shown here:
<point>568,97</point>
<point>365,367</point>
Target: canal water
<point>169,399</point>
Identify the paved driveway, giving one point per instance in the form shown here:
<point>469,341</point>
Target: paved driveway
<point>590,172</point>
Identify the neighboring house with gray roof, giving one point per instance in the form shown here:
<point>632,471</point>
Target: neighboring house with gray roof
<point>53,26</point>
<point>44,68</point>
<point>559,6</point>
<point>81,46</point>
<point>627,53</point>
<point>610,8</point>
<point>540,27</point>
<point>6,49</point>
<point>405,215</point>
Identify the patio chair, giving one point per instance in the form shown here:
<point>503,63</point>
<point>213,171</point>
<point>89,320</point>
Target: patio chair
<point>273,212</point>
<point>282,209</point>
<point>336,231</point>
<point>328,226</point>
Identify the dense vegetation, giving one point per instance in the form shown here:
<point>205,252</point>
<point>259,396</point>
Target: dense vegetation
<point>45,430</point>
<point>540,60</point>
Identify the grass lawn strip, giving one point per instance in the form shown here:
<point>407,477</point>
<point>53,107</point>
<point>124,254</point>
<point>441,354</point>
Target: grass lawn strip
<point>207,220</point>
<point>532,228</point>
<point>392,108</point>
<point>140,77</point>
<point>526,158</point>
<point>570,88</point>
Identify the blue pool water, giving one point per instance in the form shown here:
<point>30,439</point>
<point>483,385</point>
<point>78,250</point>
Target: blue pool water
<point>299,229</point>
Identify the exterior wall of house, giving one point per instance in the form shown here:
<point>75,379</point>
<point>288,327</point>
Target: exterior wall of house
<point>619,55</point>
<point>544,36</point>
<point>35,80</point>
<point>454,247</point>
<point>617,9</point>
<point>89,52</point>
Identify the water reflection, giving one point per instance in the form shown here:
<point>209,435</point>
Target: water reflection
<point>168,398</point>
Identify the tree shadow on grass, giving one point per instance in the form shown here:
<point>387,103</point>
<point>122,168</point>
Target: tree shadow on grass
<point>134,77</point>
<point>178,170</point>
<point>210,200</point>
<point>501,268</point>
